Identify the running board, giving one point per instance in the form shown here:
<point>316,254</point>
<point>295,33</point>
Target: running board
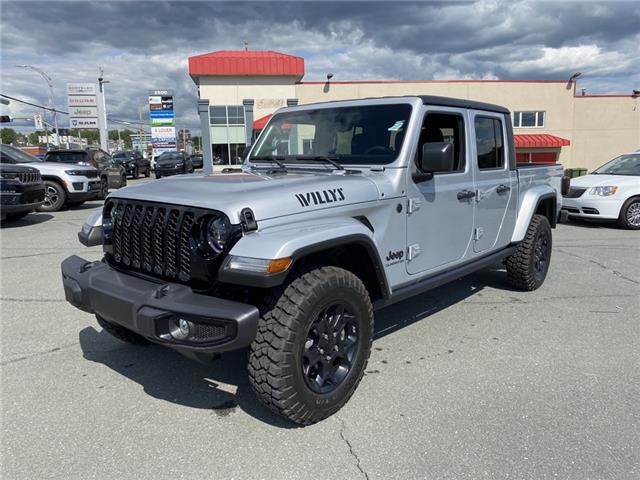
<point>445,277</point>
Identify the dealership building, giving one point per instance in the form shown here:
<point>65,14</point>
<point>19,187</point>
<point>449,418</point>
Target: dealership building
<point>554,121</point>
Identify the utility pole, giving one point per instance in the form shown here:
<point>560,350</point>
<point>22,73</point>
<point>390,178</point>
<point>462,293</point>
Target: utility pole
<point>47,79</point>
<point>102,115</point>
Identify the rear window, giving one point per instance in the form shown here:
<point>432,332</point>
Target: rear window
<point>66,157</point>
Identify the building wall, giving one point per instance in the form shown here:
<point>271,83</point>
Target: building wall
<point>269,92</point>
<point>598,127</point>
<point>604,127</point>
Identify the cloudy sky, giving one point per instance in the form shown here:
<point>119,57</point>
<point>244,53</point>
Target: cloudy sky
<point>145,45</point>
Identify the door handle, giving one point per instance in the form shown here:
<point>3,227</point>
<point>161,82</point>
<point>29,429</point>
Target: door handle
<point>503,189</point>
<point>466,194</point>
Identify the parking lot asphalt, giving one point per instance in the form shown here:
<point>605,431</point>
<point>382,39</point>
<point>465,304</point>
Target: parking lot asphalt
<point>472,380</point>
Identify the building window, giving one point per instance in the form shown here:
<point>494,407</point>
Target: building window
<point>528,119</point>
<point>232,115</point>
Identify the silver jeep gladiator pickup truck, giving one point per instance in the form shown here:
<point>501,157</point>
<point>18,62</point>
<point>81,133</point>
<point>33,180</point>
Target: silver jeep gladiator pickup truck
<point>340,208</point>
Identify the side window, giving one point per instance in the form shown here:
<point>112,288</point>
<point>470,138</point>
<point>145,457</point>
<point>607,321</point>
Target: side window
<point>489,143</point>
<point>444,128</point>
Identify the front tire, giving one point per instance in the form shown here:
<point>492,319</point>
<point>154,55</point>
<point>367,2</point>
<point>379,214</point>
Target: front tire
<point>528,266</point>
<point>136,173</point>
<point>147,172</point>
<point>630,214</point>
<point>104,188</point>
<point>54,197</point>
<point>121,333</point>
<point>312,345</point>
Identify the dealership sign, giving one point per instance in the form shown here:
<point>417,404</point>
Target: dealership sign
<point>79,122</point>
<point>83,105</point>
<point>163,132</point>
<point>83,112</point>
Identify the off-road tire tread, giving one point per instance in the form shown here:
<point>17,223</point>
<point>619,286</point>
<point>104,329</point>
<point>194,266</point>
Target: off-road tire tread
<point>519,273</point>
<point>122,333</point>
<point>270,374</point>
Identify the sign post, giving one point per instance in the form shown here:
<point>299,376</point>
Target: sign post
<point>161,114</point>
<point>83,106</point>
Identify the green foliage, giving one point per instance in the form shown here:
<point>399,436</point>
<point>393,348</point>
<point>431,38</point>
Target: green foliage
<point>9,135</point>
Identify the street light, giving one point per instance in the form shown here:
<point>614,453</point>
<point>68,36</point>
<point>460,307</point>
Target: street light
<point>47,79</point>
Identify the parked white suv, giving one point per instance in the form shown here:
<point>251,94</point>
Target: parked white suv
<point>65,185</point>
<point>611,192</point>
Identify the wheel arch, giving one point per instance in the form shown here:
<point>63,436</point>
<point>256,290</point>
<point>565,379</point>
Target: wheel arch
<point>346,243</point>
<point>539,200</point>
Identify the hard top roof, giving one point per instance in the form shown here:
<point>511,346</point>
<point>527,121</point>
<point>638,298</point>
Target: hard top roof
<point>461,103</point>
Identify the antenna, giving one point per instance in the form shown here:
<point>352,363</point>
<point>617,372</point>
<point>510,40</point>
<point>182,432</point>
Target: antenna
<point>246,45</point>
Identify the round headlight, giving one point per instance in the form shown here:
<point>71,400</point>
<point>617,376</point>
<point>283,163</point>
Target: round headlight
<point>217,232</point>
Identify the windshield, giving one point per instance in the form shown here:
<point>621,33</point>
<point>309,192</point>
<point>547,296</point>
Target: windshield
<point>169,157</point>
<point>15,155</point>
<point>66,157</point>
<point>623,165</point>
<point>362,135</point>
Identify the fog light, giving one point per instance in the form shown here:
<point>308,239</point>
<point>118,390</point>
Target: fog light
<point>184,327</point>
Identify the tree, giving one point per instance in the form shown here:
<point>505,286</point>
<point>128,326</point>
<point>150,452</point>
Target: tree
<point>9,135</point>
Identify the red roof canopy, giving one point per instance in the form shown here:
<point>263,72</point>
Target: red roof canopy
<point>540,140</point>
<point>246,62</point>
<point>261,122</point>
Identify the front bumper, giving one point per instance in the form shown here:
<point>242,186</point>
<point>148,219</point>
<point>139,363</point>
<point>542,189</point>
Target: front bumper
<point>18,197</point>
<point>168,171</point>
<point>153,309</point>
<point>592,206</point>
<point>82,188</point>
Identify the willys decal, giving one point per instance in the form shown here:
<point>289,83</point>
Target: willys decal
<point>321,197</point>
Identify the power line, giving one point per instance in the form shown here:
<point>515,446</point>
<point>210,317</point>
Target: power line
<point>113,120</point>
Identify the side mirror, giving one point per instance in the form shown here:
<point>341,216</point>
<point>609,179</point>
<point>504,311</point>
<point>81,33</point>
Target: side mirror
<point>437,157</point>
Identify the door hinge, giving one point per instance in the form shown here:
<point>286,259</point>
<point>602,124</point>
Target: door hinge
<point>478,233</point>
<point>413,205</point>
<point>413,251</point>
<point>478,195</point>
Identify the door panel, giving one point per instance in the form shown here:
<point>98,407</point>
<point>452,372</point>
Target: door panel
<point>494,185</point>
<point>439,224</point>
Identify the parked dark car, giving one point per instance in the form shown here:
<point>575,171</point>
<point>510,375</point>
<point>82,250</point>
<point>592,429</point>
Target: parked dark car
<point>173,163</point>
<point>112,175</point>
<point>133,162</point>
<point>22,190</point>
<point>198,160</point>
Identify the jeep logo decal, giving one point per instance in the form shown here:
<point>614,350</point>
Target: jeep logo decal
<point>319,198</point>
<point>395,255</point>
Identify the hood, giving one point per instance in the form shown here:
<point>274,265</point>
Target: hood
<point>268,196</point>
<point>54,168</point>
<point>588,181</point>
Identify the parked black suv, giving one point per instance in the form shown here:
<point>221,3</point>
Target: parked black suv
<point>173,163</point>
<point>112,175</point>
<point>22,190</point>
<point>133,162</point>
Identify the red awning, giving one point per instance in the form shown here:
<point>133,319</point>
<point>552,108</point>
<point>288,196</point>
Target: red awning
<point>543,140</point>
<point>246,62</point>
<point>261,122</point>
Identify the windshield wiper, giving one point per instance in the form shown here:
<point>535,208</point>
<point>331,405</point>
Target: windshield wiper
<point>277,159</point>
<point>320,158</point>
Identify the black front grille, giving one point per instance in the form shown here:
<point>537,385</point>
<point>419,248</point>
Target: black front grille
<point>29,177</point>
<point>159,240</point>
<point>90,173</point>
<point>575,192</point>
<point>207,333</point>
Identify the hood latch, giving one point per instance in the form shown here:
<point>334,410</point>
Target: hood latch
<point>248,220</point>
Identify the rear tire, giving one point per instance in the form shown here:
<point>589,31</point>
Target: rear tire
<point>147,172</point>
<point>312,345</point>
<point>158,176</point>
<point>136,173</point>
<point>122,333</point>
<point>104,188</point>
<point>55,196</point>
<point>630,214</point>
<point>528,266</point>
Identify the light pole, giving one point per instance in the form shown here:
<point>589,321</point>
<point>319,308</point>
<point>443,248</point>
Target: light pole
<point>104,131</point>
<point>47,79</point>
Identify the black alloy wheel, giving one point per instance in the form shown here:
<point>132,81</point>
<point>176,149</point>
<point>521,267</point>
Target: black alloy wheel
<point>331,345</point>
<point>541,254</point>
